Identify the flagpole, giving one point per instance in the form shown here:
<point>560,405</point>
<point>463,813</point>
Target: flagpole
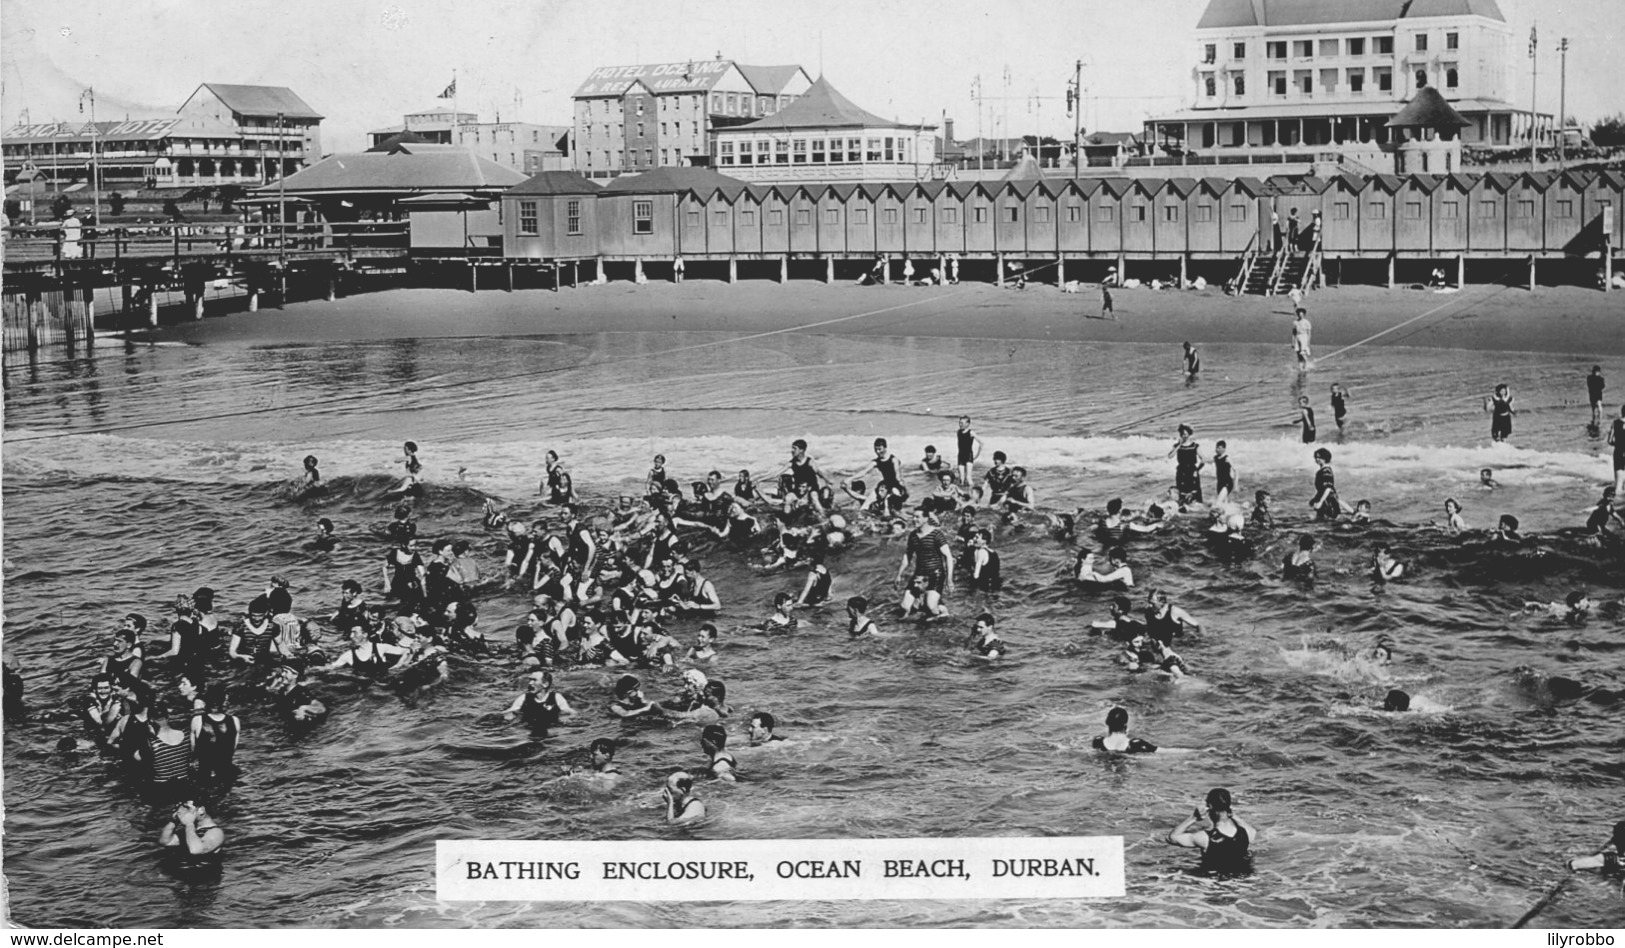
<point>455,138</point>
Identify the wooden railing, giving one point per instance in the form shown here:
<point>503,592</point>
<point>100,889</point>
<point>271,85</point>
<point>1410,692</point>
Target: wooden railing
<point>1249,257</point>
<point>117,243</point>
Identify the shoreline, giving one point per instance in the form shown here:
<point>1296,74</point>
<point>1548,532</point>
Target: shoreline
<point>1570,320</point>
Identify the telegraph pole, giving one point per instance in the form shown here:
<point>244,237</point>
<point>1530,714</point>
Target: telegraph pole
<point>1534,80</point>
<point>281,189</point>
<point>1562,98</point>
<point>95,178</point>
<point>1074,104</point>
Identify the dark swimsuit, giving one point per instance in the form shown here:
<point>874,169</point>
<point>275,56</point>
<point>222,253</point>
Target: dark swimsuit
<point>1326,481</point>
<point>1187,476</point>
<point>216,744</point>
<point>724,758</point>
<point>967,446</point>
<point>1226,854</point>
<point>1162,628</point>
<point>1223,480</point>
<point>1500,417</point>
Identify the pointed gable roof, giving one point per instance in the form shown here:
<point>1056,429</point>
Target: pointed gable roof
<point>1461,181</point>
<point>1500,180</point>
<point>1251,185</point>
<point>1087,186</point>
<point>670,180</point>
<point>964,189</point>
<point>768,80</point>
<point>1351,182</point>
<point>844,190</point>
<point>1215,186</point>
<point>1427,183</point>
<point>821,107</point>
<point>1388,182</point>
<point>1020,189</point>
<point>1613,177</point>
<point>261,101</point>
<point>1427,109</point>
<point>1180,186</point>
<point>556,182</point>
<point>1117,187</point>
<point>931,188</point>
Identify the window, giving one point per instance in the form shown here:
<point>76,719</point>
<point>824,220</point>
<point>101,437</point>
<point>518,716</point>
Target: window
<point>1385,45</point>
<point>1041,215</point>
<point>665,156</point>
<point>1012,214</point>
<point>1421,42</point>
<point>662,129</point>
<point>746,156</point>
<point>1526,208</point>
<point>1413,210</point>
<point>803,216</point>
<point>640,129</point>
<point>1275,49</point>
<point>1139,213</point>
<point>1241,84</point>
<point>775,217</point>
<point>1340,211</point>
<point>1204,213</point>
<point>979,214</point>
<point>1377,211</point>
<point>643,217</point>
<point>1239,51</point>
<point>1486,208</point>
<point>1452,41</point>
<point>832,215</point>
<point>1210,53</point>
<point>527,217</point>
<point>798,151</point>
<point>1449,210</point>
<point>725,152</point>
<point>1303,49</point>
<point>1278,83</point>
<point>1385,79</point>
<point>572,218</point>
<point>693,218</point>
<point>1565,208</point>
<point>1451,78</point>
<point>747,218</point>
<point>1328,47</point>
<point>781,151</point>
<point>1421,78</point>
<point>860,215</point>
<point>919,215</point>
<point>872,153</point>
<point>716,102</point>
<point>1356,78</point>
<point>854,149</point>
<point>1170,213</point>
<point>891,149</point>
<point>1209,86</point>
<point>1105,214</point>
<point>836,154</point>
<point>889,215</point>
<point>1357,46</point>
<point>719,218</point>
<point>950,215</point>
<point>1306,83</point>
<point>1238,212</point>
<point>818,151</point>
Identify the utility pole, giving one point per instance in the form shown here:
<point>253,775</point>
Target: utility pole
<point>981,143</point>
<point>1562,98</point>
<point>281,191</point>
<point>1074,106</point>
<point>95,179</point>
<point>1004,136</point>
<point>1534,80</point>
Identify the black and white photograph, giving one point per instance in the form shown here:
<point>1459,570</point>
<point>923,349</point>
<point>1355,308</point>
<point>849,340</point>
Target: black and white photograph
<point>489,465</point>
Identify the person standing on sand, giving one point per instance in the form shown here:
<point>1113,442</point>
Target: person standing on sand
<point>1594,386</point>
<point>1300,338</point>
<point>1106,311</point>
<point>1616,437</point>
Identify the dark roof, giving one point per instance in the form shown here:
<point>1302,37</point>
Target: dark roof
<point>556,182</point>
<point>1427,109</point>
<point>671,180</point>
<point>1225,14</point>
<point>822,107</point>
<point>261,100</point>
<point>1117,187</point>
<point>1216,185</point>
<point>1427,182</point>
<point>768,80</point>
<point>407,137</point>
<point>1614,177</point>
<point>932,188</point>
<point>407,168</point>
<point>843,190</point>
<point>1181,186</point>
<point>1249,184</point>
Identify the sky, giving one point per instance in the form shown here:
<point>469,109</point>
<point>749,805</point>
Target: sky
<point>364,63</point>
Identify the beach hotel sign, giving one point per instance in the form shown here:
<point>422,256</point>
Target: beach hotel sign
<point>668,77</point>
<point>1059,867</point>
<point>134,129</point>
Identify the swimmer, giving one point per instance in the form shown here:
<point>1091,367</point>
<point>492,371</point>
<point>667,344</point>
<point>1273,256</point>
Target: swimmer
<point>1117,571</point>
<point>1145,654</point>
<point>1120,626</point>
<point>805,474</point>
<point>1262,517</point>
<point>1224,476</point>
<point>1306,418</point>
<point>1325,501</point>
<point>933,463</point>
<point>414,468</point>
<point>1604,515</point>
<point>1616,437</point>
<point>1506,531</point>
<point>1362,512</point>
<point>655,482</point>
<point>1396,702</point>
<point>1594,389</point>
<point>1453,524</point>
<point>368,655</point>
<point>996,481</point>
<point>1226,840</point>
<point>1300,339</point>
<point>313,477</point>
<point>889,469</point>
<point>780,620</point>
<point>1018,495</point>
<point>1188,466</point>
<point>1117,739</point>
<point>682,806</point>
<point>931,558</point>
<point>1383,565</point>
<point>1486,479</point>
<point>970,448</point>
<point>760,728</point>
<point>984,641</point>
<point>705,644</point>
<point>1193,362</point>
<point>293,700</point>
<point>214,735</point>
<point>1574,607</point>
<point>714,742</point>
<point>324,541</point>
<point>1500,406</point>
<point>539,704</point>
<point>1165,621</point>
<point>601,767</point>
<point>191,827</point>
<point>981,563</point>
<point>629,701</point>
<point>1608,862</point>
<point>858,623</point>
<point>1300,564</point>
<point>494,518</point>
<point>403,527</point>
<point>1112,528</point>
<point>948,497</point>
<point>816,590</point>
<point>1340,405</point>
<point>556,484</point>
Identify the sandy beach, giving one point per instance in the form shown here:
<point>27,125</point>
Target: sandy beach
<point>1482,317</point>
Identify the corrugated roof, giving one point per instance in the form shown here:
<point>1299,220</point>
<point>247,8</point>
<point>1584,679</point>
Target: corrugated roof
<point>263,101</point>
<point>821,107</point>
<point>409,168</point>
<point>1228,14</point>
<point>768,80</point>
<point>556,182</point>
<point>671,180</point>
<point>1427,109</point>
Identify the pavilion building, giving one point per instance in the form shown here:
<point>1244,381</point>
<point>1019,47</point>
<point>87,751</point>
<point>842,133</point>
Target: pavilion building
<point>824,137</point>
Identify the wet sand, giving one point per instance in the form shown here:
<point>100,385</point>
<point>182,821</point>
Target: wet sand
<point>1501,318</point>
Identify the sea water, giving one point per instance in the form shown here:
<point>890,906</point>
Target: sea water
<point>142,471</point>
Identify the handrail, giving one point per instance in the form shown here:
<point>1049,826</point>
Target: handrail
<point>1249,256</point>
<point>43,242</point>
<point>1274,285</point>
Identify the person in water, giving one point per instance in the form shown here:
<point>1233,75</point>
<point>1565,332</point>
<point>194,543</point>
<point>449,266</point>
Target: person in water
<point>930,557</point>
<point>705,644</point>
<point>1262,517</point>
<point>1188,466</point>
<point>1453,524</point>
<point>1116,573</point>
<point>1300,564</point>
<point>1500,407</point>
<point>1384,567</point>
<point>682,806</point>
<point>539,705</point>
<point>1325,502</point>
<point>1117,740</point>
<point>858,623</point>
<point>760,729</point>
<point>191,827</point>
<point>1396,702</point>
<point>984,641</point>
<point>1486,479</point>
<point>1574,607</point>
<point>1306,418</point>
<point>1340,405</point>
<point>412,482</point>
<point>1121,626</point>
<point>313,477</point>
<point>1224,475</point>
<point>1193,362</point>
<point>1612,863</point>
<point>629,701</point>
<point>969,449</point>
<point>214,735</point>
<point>1226,841</point>
<point>714,742</point>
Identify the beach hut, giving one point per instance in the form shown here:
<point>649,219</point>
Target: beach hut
<point>1452,203</point>
<point>639,214</point>
<point>773,206</point>
<point>718,213</point>
<point>919,216</point>
<point>1413,220</point>
<point>1138,232</point>
<point>1526,213</point>
<point>1243,216</point>
<point>1487,212</point>
<point>1296,196</point>
<point>747,219</point>
<point>692,230</point>
<point>1072,213</point>
<point>1105,215</point>
<point>1565,211</point>
<point>976,203</point>
<point>890,230</point>
<point>948,215</point>
<point>1377,213</point>
<point>1011,216</point>
<point>831,217</point>
<point>803,207</point>
<point>551,215</point>
<point>1204,207</point>
<point>1603,206</point>
<point>858,213</point>
<point>1170,215</point>
<point>1339,214</point>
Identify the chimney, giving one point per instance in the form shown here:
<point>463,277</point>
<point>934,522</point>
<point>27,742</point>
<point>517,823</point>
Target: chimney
<point>948,132</point>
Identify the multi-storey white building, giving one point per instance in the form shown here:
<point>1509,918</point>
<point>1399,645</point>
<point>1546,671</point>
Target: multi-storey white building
<point>1273,74</point>
<point>523,146</point>
<point>634,118</point>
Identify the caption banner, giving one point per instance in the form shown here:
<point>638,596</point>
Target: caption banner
<point>1050,867</point>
